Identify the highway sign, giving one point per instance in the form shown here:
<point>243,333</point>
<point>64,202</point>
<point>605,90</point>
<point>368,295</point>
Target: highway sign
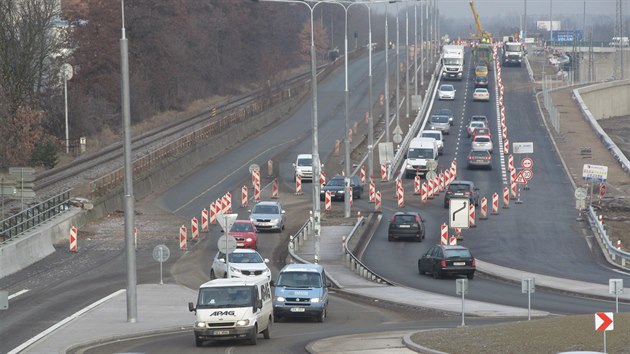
<point>595,173</point>
<point>226,244</point>
<point>615,286</point>
<point>461,286</point>
<point>580,193</point>
<point>528,285</point>
<point>523,148</point>
<point>527,162</point>
<point>458,213</point>
<point>604,321</point>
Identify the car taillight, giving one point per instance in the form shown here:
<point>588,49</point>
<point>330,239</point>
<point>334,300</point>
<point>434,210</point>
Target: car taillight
<point>417,219</point>
<point>443,263</point>
<point>487,158</point>
<point>474,263</point>
<point>471,158</point>
<point>467,193</point>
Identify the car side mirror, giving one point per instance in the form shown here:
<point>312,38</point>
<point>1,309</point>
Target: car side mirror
<point>272,283</point>
<point>476,188</point>
<point>283,212</point>
<point>222,260</point>
<point>191,307</point>
<point>258,304</point>
<point>249,211</point>
<point>294,165</point>
<point>266,260</point>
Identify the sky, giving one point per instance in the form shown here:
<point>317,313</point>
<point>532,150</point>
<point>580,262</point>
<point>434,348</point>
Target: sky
<point>495,8</point>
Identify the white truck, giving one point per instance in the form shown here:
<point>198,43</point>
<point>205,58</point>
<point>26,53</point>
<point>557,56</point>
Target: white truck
<point>513,53</point>
<point>453,62</point>
<point>420,151</point>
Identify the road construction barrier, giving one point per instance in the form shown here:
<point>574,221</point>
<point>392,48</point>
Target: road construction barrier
<point>510,162</point>
<point>269,168</point>
<point>337,147</point>
<point>452,240</point>
<point>447,176</point>
<point>484,209</point>
<point>73,239</point>
<point>327,201</point>
<point>506,146</point>
<point>444,234</point>
<point>416,185</point>
<point>512,172</point>
<point>442,184</point>
<point>377,201</point>
<point>228,199</point>
<point>513,190</point>
<point>204,220</point>
<point>194,228</point>
<point>436,186</point>
<point>471,215</point>
<point>430,189</point>
<point>619,244</point>
<point>224,204</point>
<point>183,242</point>
<point>213,213</point>
<point>244,197</point>
<point>255,177</point>
<point>506,198</point>
<point>400,193</point>
<point>298,185</point>
<point>458,234</point>
<point>350,194</point>
<point>424,192</point>
<point>322,178</point>
<point>275,193</point>
<point>495,204</point>
<point>362,174</point>
<point>384,172</point>
<point>372,190</point>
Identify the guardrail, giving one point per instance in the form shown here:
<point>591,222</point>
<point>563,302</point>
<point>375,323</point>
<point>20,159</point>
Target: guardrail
<point>619,257</point>
<point>33,216</point>
<point>296,241</point>
<point>355,265</point>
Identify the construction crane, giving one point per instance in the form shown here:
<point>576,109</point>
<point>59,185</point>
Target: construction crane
<point>482,35</point>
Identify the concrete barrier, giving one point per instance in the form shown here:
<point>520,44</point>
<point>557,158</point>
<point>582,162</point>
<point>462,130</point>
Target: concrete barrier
<point>608,99</point>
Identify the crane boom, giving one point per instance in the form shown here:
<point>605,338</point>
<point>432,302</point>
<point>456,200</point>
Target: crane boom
<point>482,35</point>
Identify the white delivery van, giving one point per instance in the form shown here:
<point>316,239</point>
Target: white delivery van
<point>303,167</point>
<point>435,134</point>
<point>234,308</point>
<point>420,151</point>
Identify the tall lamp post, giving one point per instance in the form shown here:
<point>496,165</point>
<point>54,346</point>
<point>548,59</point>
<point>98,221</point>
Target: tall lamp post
<point>66,73</point>
<point>315,144</point>
<point>132,298</point>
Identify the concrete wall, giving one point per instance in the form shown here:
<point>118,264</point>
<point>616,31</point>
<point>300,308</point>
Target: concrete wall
<point>609,99</point>
<point>33,246</point>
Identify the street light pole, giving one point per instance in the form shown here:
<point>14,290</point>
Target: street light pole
<point>387,118</point>
<point>415,48</point>
<point>132,299</point>
<point>397,71</point>
<point>370,116</point>
<point>407,66</point>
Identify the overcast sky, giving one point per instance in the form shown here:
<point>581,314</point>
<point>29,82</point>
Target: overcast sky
<point>493,8</point>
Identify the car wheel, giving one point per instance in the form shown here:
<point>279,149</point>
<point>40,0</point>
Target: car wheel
<point>321,316</point>
<point>436,274</point>
<point>267,331</point>
<point>253,340</point>
<point>470,276</point>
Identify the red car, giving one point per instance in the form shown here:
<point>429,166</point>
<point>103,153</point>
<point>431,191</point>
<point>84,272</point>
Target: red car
<point>244,232</point>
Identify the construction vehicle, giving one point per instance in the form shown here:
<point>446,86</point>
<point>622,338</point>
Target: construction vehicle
<point>482,49</point>
<point>513,51</point>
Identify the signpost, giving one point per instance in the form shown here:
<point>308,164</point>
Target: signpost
<point>595,173</point>
<point>604,321</point>
<point>523,148</point>
<point>227,243</point>
<point>458,213</point>
<point>528,287</point>
<point>161,253</point>
<point>615,287</point>
<point>461,287</point>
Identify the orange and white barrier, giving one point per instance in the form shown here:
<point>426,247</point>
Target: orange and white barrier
<point>436,186</point>
<point>362,174</point>
<point>275,193</point>
<point>442,180</point>
<point>224,204</point>
<point>372,191</point>
<point>452,240</point>
<point>257,192</point>
<point>213,213</point>
<point>430,189</point>
<point>495,204</point>
<point>513,189</point>
<point>510,162</point>
<point>255,177</point>
<point>416,185</point>
<point>424,192</point>
<point>458,234</point>
<point>204,220</point>
<point>619,244</point>
<point>506,198</point>
<point>483,215</point>
<point>244,197</point>
<point>447,177</point>
<point>298,185</point>
<point>228,200</point>
<point>377,201</point>
<point>73,239</point>
<point>328,201</point>
<point>506,146</point>
<point>350,194</point>
<point>322,178</point>
<point>400,193</point>
<point>183,242</point>
<point>194,228</point>
<point>384,172</point>
<point>444,234</point>
<point>219,206</point>
<point>471,215</point>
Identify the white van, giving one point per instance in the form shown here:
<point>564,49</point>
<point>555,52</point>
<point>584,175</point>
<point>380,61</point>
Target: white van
<point>435,134</point>
<point>234,308</point>
<point>303,167</point>
<point>420,151</point>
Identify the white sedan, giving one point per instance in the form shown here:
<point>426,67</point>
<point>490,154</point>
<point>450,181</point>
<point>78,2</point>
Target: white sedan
<point>243,263</point>
<point>481,94</point>
<point>446,92</point>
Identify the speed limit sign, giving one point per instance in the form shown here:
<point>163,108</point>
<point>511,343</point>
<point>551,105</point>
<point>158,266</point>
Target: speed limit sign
<point>527,163</point>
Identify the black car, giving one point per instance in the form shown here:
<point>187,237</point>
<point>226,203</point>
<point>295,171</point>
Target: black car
<point>481,81</point>
<point>462,189</point>
<point>406,224</point>
<point>335,186</point>
<point>442,260</point>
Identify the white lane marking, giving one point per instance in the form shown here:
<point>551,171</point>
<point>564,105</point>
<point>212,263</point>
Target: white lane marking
<point>23,291</point>
<point>230,174</point>
<point>63,322</point>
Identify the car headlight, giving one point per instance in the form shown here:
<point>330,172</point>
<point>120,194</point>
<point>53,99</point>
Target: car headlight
<point>314,299</point>
<point>235,270</point>
<point>249,239</point>
<point>200,324</point>
<point>341,191</point>
<point>242,323</point>
<point>280,299</point>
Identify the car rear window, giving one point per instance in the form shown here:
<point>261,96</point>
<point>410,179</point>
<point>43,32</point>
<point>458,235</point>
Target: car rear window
<point>458,187</point>
<point>405,219</point>
<point>482,139</point>
<point>457,253</point>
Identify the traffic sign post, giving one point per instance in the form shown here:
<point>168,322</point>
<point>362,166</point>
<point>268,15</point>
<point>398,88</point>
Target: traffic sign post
<point>528,286</point>
<point>161,253</point>
<point>461,287</point>
<point>604,321</point>
<point>227,243</point>
<point>458,213</point>
<point>615,287</point>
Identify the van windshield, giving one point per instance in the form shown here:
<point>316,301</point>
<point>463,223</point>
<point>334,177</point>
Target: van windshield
<point>305,162</point>
<point>299,280</point>
<point>420,153</point>
<point>219,297</point>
